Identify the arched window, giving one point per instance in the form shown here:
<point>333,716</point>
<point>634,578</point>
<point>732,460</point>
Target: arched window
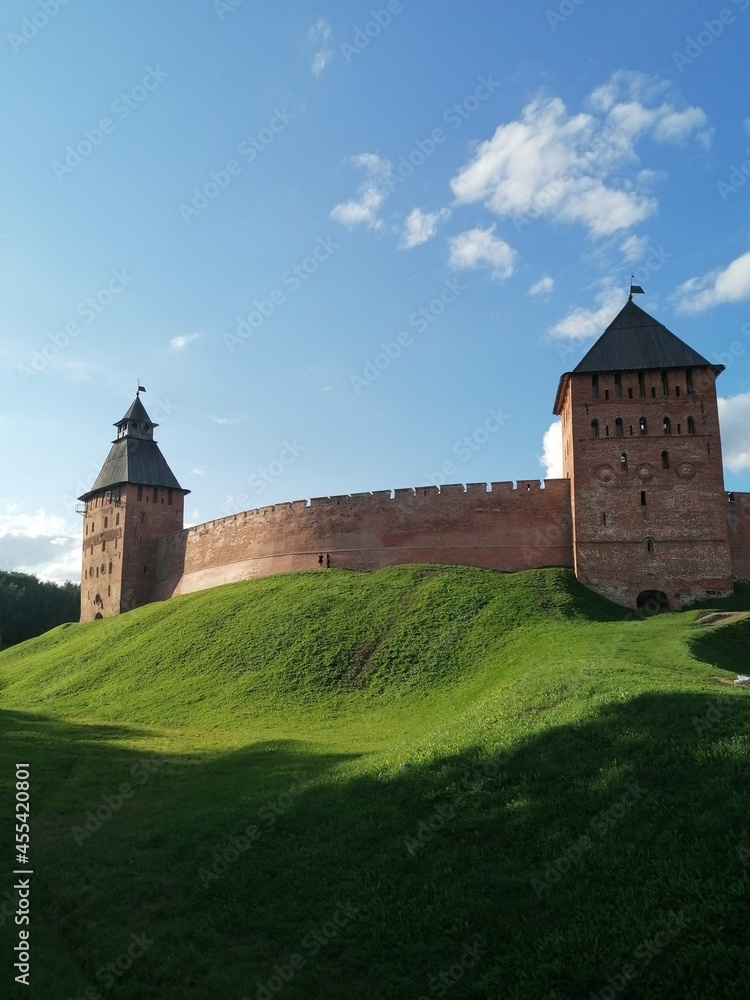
<point>594,428</point>
<point>110,568</point>
<point>624,462</point>
<point>643,425</point>
<point>104,544</point>
<point>595,386</point>
<point>664,384</point>
<point>117,519</point>
<point>665,460</point>
<point>618,428</point>
<point>641,384</point>
<point>106,522</point>
<point>618,385</point>
<point>649,545</point>
<point>691,425</point>
<point>666,426</point>
<point>689,379</point>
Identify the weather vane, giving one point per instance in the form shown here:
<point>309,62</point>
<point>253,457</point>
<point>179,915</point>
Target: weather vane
<point>634,289</point>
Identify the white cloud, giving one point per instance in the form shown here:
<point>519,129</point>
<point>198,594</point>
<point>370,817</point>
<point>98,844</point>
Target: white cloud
<point>734,414</point>
<point>480,248</point>
<point>197,472</point>
<point>633,248</point>
<point>39,543</point>
<point>371,194</point>
<point>320,37</point>
<point>574,168</point>
<point>420,226</point>
<point>732,284</point>
<point>552,451</point>
<point>226,421</point>
<point>581,323</point>
<point>181,342</point>
<point>542,287</point>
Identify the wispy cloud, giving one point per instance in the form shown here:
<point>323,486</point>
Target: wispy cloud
<point>319,36</point>
<point>372,192</point>
<point>481,248</point>
<point>420,226</point>
<point>722,285</point>
<point>581,322</point>
<point>226,421</point>
<point>180,343</point>
<point>542,287</point>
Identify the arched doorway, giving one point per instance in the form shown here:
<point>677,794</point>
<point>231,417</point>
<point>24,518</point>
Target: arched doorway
<point>653,602</point>
<point>98,615</point>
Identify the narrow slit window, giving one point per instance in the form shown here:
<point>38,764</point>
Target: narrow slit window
<point>594,428</point>
<point>689,380</point>
<point>649,545</point>
<point>595,386</point>
<point>666,426</point>
<point>643,498</point>
<point>665,460</point>
<point>618,385</point>
<point>691,425</point>
<point>641,384</point>
<point>624,461</point>
<point>618,428</point>
<point>665,383</point>
<point>643,425</point>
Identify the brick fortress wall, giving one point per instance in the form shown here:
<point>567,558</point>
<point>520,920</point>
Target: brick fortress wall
<point>500,527</point>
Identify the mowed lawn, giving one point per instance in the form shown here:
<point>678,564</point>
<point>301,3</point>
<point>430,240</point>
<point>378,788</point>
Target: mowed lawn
<point>422,782</point>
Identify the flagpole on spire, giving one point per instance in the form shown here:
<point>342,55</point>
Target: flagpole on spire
<point>634,289</point>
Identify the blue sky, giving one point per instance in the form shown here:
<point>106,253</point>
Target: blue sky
<point>348,247</point>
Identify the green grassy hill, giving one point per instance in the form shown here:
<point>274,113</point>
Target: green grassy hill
<point>422,782</point>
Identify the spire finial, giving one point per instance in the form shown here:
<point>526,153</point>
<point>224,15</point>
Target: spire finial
<point>634,289</point>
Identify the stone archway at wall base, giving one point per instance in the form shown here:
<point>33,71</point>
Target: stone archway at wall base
<point>652,602</point>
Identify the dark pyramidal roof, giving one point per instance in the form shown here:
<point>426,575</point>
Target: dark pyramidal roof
<point>134,456</point>
<point>635,341</point>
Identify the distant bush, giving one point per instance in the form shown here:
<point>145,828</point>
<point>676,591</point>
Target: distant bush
<point>29,607</point>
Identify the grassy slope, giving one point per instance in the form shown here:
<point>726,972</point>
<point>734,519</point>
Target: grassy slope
<point>463,758</point>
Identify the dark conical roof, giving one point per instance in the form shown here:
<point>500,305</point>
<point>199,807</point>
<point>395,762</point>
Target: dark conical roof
<point>634,340</point>
<point>134,456</point>
<point>136,411</point>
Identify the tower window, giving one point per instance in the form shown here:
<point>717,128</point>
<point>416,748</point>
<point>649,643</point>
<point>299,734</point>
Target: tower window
<point>665,460</point>
<point>677,390</point>
<point>624,462</point>
<point>595,386</point>
<point>117,519</point>
<point>87,529</point>
<point>104,544</point>
<point>106,521</point>
<point>618,428</point>
<point>643,424</point>
<point>169,496</point>
<point>606,393</point>
<point>641,384</point>
<point>691,425</point>
<point>140,493</point>
<point>594,428</point>
<point>110,568</point>
<point>156,493</point>
<point>618,385</point>
<point>666,426</point>
<point>649,545</point>
<point>630,393</point>
<point>604,517</point>
<point>631,430</point>
<point>730,497</point>
<point>653,391</point>
<point>665,383</point>
<point>643,498</point>
<point>688,380</point>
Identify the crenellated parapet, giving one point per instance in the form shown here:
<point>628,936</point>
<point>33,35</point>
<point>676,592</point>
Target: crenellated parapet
<point>503,526</point>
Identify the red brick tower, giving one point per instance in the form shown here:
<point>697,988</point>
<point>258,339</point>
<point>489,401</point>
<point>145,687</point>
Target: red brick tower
<point>642,450</point>
<point>134,502</point>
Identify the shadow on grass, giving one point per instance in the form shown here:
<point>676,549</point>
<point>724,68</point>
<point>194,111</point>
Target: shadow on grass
<point>602,856</point>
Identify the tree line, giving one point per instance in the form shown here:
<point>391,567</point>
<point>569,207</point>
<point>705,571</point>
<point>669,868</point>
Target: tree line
<point>29,606</point>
